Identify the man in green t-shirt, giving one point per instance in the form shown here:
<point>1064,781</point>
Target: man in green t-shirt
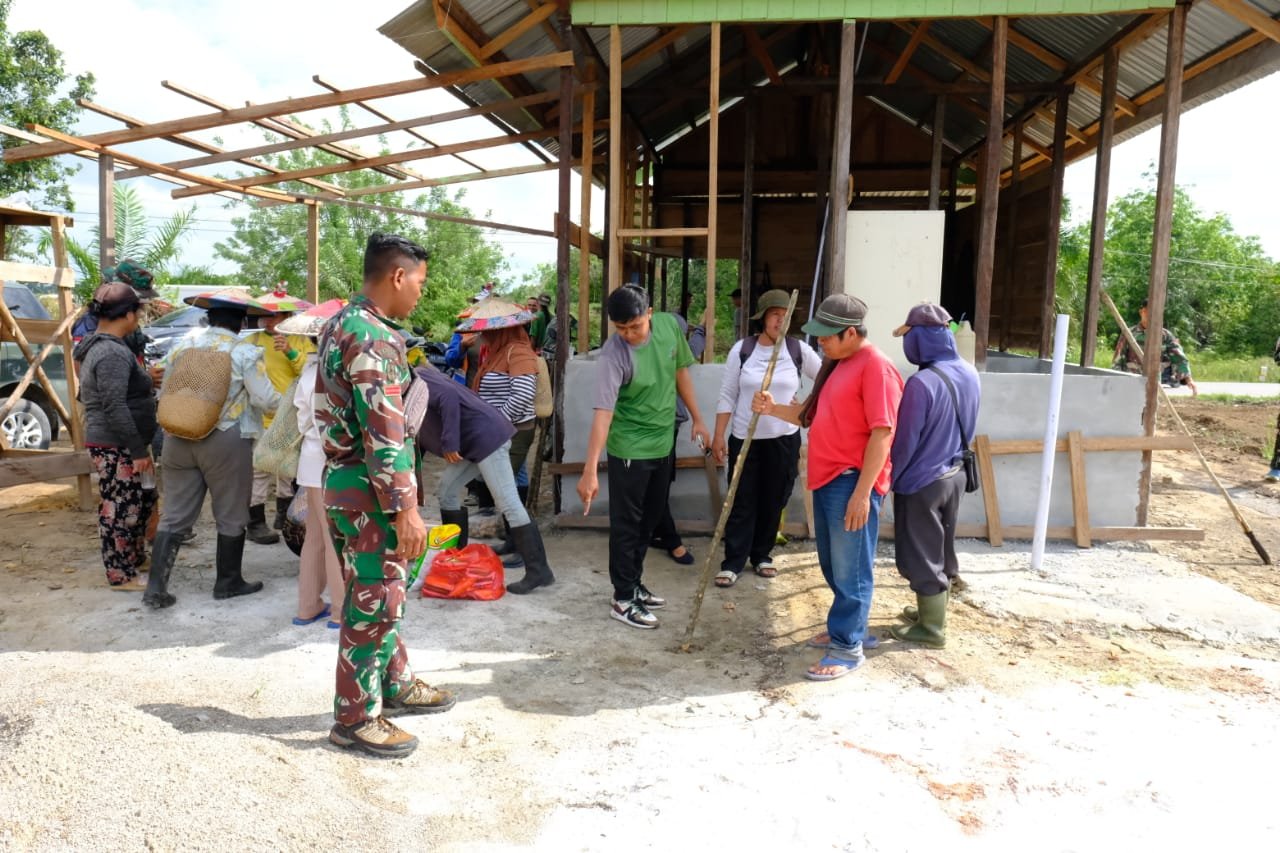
<point>641,369</point>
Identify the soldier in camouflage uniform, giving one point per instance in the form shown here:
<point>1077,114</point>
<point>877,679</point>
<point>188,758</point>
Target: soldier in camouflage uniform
<point>371,495</point>
<point>1175,369</point>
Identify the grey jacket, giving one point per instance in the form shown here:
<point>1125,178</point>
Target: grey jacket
<point>119,408</point>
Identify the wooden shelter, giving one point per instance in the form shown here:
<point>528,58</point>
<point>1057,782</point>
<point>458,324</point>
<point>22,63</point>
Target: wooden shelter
<point>18,466</point>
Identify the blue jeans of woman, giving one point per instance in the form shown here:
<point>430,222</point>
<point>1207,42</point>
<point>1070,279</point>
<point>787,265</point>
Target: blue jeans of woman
<point>847,558</point>
<point>495,470</point>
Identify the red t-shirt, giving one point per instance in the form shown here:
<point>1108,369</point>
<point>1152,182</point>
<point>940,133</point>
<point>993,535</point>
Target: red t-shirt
<point>861,394</point>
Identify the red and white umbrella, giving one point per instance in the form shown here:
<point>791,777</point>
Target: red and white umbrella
<point>230,297</point>
<point>495,314</point>
<point>280,302</point>
<point>312,320</point>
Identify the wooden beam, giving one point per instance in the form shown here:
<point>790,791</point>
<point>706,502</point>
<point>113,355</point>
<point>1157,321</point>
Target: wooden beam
<point>519,28</point>
<point>106,212</point>
<point>917,35</point>
<point>1251,16</point>
<point>713,194</point>
<point>757,47</point>
<point>1157,289</point>
<point>426,214</point>
<point>565,154</point>
<point>1098,223</point>
<point>746,259</point>
<point>935,158</point>
<point>1011,237</point>
<point>19,469</point>
<point>615,164</point>
<point>291,106</point>
<point>313,253</point>
<point>584,236</point>
<point>1079,489</point>
<point>452,179</point>
<point>991,155</point>
<point>1054,223</point>
<point>841,152</point>
<point>655,46</point>
<point>456,23</point>
<point>204,181</point>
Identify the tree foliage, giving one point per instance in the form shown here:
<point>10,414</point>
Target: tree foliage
<point>157,248</point>
<point>1223,290</point>
<point>33,90</point>
<point>269,244</point>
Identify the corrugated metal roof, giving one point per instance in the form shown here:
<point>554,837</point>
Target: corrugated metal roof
<point>1072,38</point>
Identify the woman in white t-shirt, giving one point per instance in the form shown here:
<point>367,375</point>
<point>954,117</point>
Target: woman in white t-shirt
<point>770,470</point>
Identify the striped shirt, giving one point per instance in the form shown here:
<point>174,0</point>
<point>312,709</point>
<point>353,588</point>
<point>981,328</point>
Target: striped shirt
<point>511,395</point>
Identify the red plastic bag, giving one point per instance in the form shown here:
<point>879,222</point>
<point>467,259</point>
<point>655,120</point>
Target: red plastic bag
<point>473,572</point>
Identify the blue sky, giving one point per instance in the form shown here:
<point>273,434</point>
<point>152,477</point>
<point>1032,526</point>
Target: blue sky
<point>235,50</point>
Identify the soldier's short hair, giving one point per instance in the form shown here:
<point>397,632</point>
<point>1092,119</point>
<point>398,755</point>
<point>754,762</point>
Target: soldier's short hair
<point>384,251</point>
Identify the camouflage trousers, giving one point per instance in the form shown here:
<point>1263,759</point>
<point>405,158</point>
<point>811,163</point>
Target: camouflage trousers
<point>372,662</point>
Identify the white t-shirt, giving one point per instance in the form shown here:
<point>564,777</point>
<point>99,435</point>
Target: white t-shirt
<point>740,382</point>
<point>311,456</point>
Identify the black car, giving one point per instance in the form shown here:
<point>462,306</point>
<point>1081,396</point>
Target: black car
<point>32,424</point>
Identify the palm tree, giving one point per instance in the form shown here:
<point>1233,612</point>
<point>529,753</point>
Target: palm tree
<point>154,249</point>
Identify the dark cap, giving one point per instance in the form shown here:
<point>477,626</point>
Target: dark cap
<point>114,300</point>
<point>775,298</point>
<point>924,314</point>
<point>544,299</point>
<point>837,312</point>
<point>135,276</point>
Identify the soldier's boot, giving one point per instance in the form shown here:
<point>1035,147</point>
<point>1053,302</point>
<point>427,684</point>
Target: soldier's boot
<point>282,510</point>
<point>258,530</point>
<point>164,551</point>
<point>460,518</point>
<point>958,584</point>
<point>230,582</point>
<point>536,571</point>
<point>930,629</point>
<point>507,549</point>
<point>378,736</point>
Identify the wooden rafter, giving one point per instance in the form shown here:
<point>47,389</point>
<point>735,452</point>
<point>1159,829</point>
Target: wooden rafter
<point>373,162</point>
<point>377,113</point>
<point>291,106</point>
<point>469,37</point>
<point>654,46</point>
<point>453,179</point>
<point>205,182</point>
<point>337,136</point>
<point>913,42</point>
<point>519,28</point>
<point>1251,16</point>
<point>760,52</point>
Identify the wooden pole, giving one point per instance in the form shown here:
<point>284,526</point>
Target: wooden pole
<point>562,253</point>
<point>747,261</point>
<point>992,151</point>
<point>727,506</point>
<point>713,192</point>
<point>686,255</point>
<point>584,231</point>
<point>1054,223</point>
<point>313,252</point>
<point>1157,288</point>
<point>615,162</point>
<point>1098,225</point>
<point>106,213</point>
<point>841,145</point>
<point>935,159</point>
<point>1011,240</point>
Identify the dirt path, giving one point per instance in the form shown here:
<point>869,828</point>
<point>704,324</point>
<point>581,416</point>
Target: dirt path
<point>1121,693</point>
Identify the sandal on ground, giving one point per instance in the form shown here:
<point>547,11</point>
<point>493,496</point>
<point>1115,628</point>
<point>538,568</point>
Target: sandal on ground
<point>333,626</point>
<point>842,668</point>
<point>137,583</point>
<point>323,614</point>
<point>823,641</point>
<point>726,578</point>
<point>766,569</point>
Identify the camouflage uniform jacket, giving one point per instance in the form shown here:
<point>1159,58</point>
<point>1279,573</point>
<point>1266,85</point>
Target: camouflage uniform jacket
<point>371,462</point>
<point>1173,361</point>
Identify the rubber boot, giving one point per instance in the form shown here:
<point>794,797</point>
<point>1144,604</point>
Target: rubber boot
<point>931,628</point>
<point>258,530</point>
<point>230,582</point>
<point>958,584</point>
<point>508,550</point>
<point>163,554</point>
<point>536,571</point>
<point>460,518</point>
<point>282,510</point>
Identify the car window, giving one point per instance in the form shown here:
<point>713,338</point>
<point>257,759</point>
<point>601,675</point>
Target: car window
<point>188,317</point>
<point>23,303</point>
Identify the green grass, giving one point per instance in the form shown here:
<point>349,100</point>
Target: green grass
<point>1210,367</point>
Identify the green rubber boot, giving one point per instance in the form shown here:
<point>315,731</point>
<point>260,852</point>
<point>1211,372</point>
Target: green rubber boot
<point>958,584</point>
<point>930,629</point>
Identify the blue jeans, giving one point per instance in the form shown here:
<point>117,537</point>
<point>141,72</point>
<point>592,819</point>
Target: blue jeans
<point>495,470</point>
<point>847,559</point>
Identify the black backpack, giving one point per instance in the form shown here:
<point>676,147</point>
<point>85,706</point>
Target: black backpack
<point>793,347</point>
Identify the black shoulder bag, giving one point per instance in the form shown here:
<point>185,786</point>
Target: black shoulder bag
<point>972,482</point>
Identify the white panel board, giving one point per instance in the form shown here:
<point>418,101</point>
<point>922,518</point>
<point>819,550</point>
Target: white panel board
<point>893,261</point>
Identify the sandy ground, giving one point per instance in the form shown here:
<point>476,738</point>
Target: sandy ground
<point>1123,695</point>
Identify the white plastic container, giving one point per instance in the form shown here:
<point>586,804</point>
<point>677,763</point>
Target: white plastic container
<point>966,341</point>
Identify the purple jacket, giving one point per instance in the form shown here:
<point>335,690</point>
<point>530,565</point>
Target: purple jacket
<point>458,421</point>
<point>927,441</point>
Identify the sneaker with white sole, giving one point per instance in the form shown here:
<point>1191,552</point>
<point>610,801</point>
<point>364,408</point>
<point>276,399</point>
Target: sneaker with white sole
<point>633,613</point>
<point>378,736</point>
<point>648,599</point>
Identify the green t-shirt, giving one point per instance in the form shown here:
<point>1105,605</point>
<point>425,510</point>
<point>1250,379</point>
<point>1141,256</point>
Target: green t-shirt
<point>639,384</point>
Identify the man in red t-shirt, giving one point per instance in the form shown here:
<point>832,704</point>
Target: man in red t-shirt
<point>851,416</point>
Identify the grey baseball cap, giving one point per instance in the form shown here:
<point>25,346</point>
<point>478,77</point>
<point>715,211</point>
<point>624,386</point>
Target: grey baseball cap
<point>837,312</point>
<point>924,314</point>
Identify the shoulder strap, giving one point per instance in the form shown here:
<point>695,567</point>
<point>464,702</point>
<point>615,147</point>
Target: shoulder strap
<point>793,348</point>
<point>955,404</point>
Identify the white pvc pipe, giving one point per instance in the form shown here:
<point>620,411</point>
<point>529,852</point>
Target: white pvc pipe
<point>1050,440</point>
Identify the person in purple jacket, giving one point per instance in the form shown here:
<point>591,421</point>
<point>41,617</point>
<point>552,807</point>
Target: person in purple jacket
<point>937,401</point>
<point>475,439</point>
